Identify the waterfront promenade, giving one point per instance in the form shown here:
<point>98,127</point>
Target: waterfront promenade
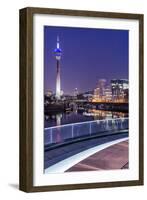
<point>92,145</point>
<point>70,157</point>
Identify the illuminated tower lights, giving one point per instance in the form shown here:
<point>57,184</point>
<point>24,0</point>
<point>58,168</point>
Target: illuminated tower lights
<point>58,53</point>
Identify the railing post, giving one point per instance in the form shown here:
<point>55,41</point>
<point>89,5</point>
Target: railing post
<point>72,133</point>
<point>51,135</point>
<point>121,124</point>
<point>107,125</point>
<point>90,128</point>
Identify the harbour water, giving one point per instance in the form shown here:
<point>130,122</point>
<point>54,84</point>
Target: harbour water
<point>80,116</point>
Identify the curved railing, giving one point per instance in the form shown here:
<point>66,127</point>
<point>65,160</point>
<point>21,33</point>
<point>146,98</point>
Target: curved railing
<point>69,132</point>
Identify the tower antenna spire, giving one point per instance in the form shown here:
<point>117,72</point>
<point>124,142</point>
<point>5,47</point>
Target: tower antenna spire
<point>58,41</point>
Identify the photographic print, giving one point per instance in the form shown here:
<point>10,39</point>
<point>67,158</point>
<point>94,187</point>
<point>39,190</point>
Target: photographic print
<point>81,99</point>
<point>86,93</point>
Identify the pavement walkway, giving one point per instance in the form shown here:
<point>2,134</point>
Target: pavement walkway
<point>55,155</point>
<point>113,157</point>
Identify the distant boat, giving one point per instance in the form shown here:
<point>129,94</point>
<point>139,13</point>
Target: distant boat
<point>87,114</point>
<point>68,109</point>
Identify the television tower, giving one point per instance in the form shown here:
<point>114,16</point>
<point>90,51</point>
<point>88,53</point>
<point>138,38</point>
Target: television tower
<point>57,53</point>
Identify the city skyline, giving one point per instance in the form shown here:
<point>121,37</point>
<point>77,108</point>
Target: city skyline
<point>107,85</point>
<point>102,53</point>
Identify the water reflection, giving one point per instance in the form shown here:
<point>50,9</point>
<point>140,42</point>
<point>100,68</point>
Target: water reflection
<point>101,114</point>
<point>58,119</point>
<point>85,115</point>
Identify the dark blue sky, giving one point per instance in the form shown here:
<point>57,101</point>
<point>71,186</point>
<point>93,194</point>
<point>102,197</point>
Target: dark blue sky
<point>87,55</point>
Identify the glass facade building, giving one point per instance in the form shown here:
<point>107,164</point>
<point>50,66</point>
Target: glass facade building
<point>120,88</point>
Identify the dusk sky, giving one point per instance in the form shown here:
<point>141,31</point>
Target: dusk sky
<point>88,54</point>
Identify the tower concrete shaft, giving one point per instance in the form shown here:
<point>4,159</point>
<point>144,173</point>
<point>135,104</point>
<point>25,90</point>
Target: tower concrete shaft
<point>58,81</point>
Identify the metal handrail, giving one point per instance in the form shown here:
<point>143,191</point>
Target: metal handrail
<point>62,133</point>
<point>85,122</point>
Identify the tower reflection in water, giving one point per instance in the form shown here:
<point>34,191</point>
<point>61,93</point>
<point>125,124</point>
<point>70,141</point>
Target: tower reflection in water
<point>58,133</point>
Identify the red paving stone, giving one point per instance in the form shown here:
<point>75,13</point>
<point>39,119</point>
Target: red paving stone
<point>113,157</point>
